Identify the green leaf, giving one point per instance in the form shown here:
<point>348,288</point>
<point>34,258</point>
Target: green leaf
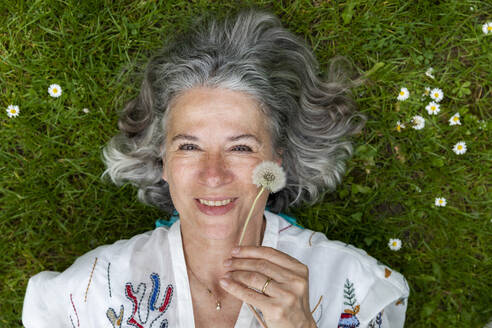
<point>343,193</point>
<point>436,269</point>
<point>437,162</point>
<point>357,216</point>
<point>348,12</point>
<point>356,188</point>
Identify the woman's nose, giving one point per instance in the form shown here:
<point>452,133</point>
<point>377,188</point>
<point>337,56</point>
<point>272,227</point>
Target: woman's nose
<point>214,171</point>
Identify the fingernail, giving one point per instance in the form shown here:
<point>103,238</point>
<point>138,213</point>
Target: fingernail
<point>223,282</point>
<point>228,262</point>
<point>235,250</point>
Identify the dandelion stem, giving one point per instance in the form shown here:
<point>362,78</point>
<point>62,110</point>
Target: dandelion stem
<point>249,215</point>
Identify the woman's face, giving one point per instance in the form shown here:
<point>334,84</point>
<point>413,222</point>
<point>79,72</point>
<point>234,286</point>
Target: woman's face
<point>215,138</point>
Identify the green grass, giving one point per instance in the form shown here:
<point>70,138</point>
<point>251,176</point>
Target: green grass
<point>54,207</point>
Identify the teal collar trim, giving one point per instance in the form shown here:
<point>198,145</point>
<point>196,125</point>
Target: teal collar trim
<point>175,217</point>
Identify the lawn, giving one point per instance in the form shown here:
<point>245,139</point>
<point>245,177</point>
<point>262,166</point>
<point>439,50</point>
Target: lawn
<point>55,207</point>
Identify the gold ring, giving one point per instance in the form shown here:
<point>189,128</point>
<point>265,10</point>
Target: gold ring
<point>265,285</point>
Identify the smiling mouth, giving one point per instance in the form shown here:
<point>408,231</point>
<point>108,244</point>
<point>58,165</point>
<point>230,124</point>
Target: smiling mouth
<point>216,203</point>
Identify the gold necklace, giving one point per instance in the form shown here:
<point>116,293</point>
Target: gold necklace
<point>217,302</point>
<point>218,305</point>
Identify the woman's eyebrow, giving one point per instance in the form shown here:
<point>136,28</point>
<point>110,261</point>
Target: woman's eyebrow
<point>235,138</point>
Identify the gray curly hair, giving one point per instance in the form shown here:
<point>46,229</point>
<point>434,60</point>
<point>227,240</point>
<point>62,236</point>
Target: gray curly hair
<point>309,118</point>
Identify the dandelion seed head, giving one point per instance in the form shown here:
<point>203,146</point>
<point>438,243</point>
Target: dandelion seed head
<point>269,175</point>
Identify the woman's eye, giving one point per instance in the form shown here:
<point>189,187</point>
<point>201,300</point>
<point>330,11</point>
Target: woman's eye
<point>186,147</point>
<point>243,148</point>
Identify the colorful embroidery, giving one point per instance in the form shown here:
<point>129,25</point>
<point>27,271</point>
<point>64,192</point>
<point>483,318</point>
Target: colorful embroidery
<point>75,310</point>
<point>283,229</point>
<point>377,321</point>
<point>109,280</point>
<point>348,318</point>
<point>401,301</point>
<point>311,237</point>
<point>320,305</point>
<point>115,320</point>
<point>153,310</point>
<point>90,279</point>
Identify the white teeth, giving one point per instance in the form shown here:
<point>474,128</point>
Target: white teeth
<point>216,203</point>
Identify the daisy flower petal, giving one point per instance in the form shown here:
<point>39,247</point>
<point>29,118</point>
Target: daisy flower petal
<point>437,94</point>
<point>440,201</point>
<point>418,122</point>
<point>460,148</point>
<point>429,72</point>
<point>55,90</point>
<point>394,244</point>
<point>455,119</point>
<point>399,126</point>
<point>403,95</point>
<point>487,28</point>
<point>433,108</point>
<point>13,111</point>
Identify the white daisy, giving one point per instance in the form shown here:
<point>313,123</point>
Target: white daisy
<point>13,110</point>
<point>429,72</point>
<point>436,94</point>
<point>55,90</point>
<point>440,201</point>
<point>399,126</point>
<point>432,108</point>
<point>487,28</point>
<point>403,95</point>
<point>418,122</point>
<point>460,148</point>
<point>394,244</point>
<point>455,119</point>
<point>86,110</point>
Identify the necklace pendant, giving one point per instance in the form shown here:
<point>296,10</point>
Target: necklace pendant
<point>218,306</point>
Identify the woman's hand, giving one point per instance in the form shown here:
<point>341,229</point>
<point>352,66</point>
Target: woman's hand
<point>285,302</point>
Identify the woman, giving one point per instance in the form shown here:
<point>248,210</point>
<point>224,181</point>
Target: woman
<point>214,104</point>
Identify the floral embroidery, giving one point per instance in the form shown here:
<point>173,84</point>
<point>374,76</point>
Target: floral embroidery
<point>90,279</point>
<point>109,280</point>
<point>75,310</point>
<point>377,321</point>
<point>153,310</point>
<point>115,320</point>
<point>400,301</point>
<point>348,318</point>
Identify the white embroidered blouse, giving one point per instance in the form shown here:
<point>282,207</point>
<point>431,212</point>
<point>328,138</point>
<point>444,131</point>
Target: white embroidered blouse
<point>143,282</point>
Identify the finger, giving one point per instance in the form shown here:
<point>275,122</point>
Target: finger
<point>272,255</point>
<point>258,282</point>
<point>265,267</point>
<point>244,293</point>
